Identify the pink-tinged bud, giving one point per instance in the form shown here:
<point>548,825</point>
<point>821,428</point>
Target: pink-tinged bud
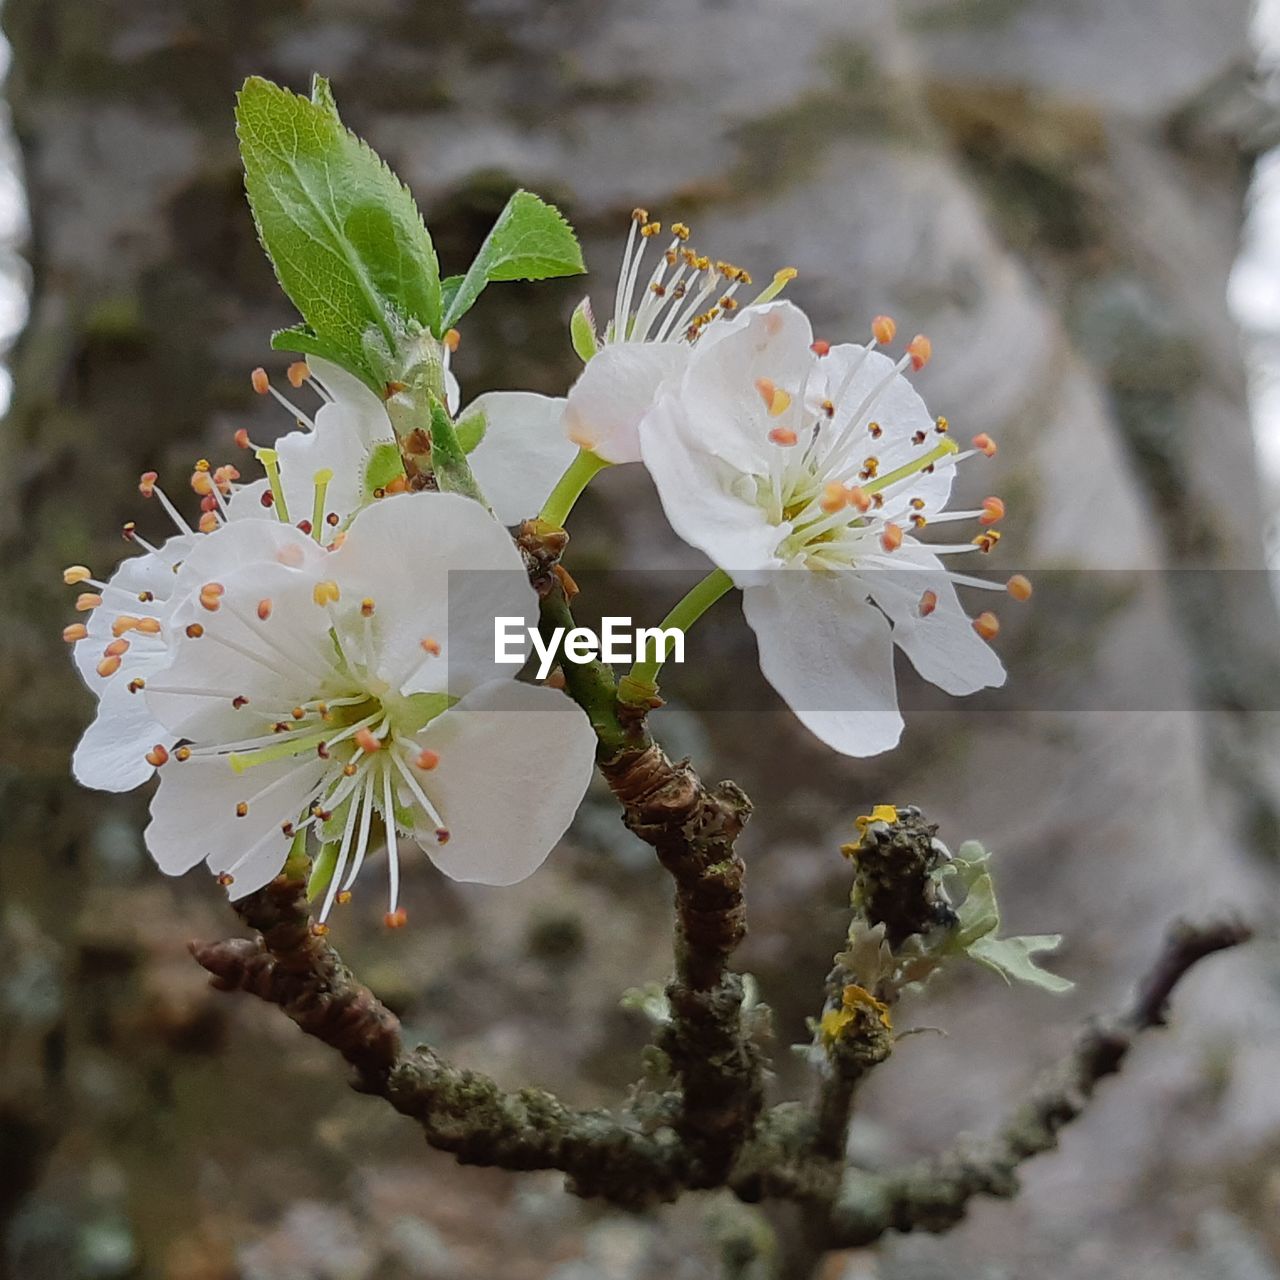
<point>920,349</point>
<point>883,329</point>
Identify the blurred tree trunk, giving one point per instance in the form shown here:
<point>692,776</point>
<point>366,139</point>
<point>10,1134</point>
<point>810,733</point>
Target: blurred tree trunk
<point>1057,205</point>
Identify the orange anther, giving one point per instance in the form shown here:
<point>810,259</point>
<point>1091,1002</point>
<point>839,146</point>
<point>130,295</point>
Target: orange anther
<point>76,631</point>
<point>1019,587</point>
<point>820,347</point>
<point>325,592</point>
<point>984,444</point>
<point>783,436</point>
<point>858,498</point>
<point>987,625</point>
<point>264,610</point>
<point>883,329</point>
<point>992,510</point>
<point>182,754</point>
<point>431,645</point>
<point>242,809</point>
<point>147,483</point>
<point>928,603</point>
<point>318,930</point>
<point>209,522</point>
<point>241,438</point>
<point>427,759</point>
<point>147,626</point>
<point>87,600</point>
<point>109,666</point>
<point>202,483</point>
<point>298,373</point>
<point>194,631</point>
<point>344,897</point>
<point>157,756</point>
<point>124,622</point>
<point>451,339</point>
<point>367,607</point>
<point>396,919</point>
<point>835,497</point>
<point>226,879</point>
<point>211,596</point>
<point>261,383</point>
<point>116,649</point>
<point>75,573</point>
<point>919,349</point>
<point>367,742</point>
<point>891,538</point>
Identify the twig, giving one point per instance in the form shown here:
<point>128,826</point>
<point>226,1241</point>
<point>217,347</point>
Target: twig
<point>934,1195</point>
<point>693,829</point>
<point>463,1112</point>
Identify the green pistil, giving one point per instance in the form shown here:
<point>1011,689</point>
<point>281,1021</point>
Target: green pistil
<point>271,465</point>
<point>942,449</point>
<point>288,746</point>
<point>321,480</point>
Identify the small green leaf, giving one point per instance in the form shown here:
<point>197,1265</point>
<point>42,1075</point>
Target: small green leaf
<point>449,287</point>
<point>530,241</point>
<point>384,464</point>
<point>1012,959</point>
<point>470,431</point>
<point>344,235</point>
<point>448,459</point>
<point>582,331</point>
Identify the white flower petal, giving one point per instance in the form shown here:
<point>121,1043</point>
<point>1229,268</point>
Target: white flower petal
<point>193,816</point>
<point>523,453</point>
<point>111,756</point>
<point>438,567</point>
<point>830,655</point>
<point>943,646</point>
<point>618,387</point>
<point>515,761</point>
<point>701,497</point>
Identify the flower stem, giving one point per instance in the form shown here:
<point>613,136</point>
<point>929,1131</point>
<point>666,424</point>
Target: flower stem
<point>641,682</point>
<point>570,486</point>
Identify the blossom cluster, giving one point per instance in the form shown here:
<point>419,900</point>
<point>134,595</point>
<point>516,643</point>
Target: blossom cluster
<point>295,669</point>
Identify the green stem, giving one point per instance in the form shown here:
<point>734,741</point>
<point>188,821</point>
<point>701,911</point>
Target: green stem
<point>641,683</point>
<point>570,486</point>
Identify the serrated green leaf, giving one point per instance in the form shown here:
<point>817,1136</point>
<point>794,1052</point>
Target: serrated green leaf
<point>530,241</point>
<point>304,342</point>
<point>449,287</point>
<point>1012,959</point>
<point>344,235</point>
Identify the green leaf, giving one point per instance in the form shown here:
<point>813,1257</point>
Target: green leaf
<point>448,458</point>
<point>530,241</point>
<point>303,341</point>
<point>470,431</point>
<point>449,287</point>
<point>582,331</point>
<point>1012,959</point>
<point>344,235</point>
<point>383,465</point>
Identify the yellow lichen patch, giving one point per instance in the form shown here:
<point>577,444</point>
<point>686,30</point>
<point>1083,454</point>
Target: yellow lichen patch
<point>881,813</point>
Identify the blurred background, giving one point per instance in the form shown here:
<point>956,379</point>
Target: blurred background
<point>1057,192</point>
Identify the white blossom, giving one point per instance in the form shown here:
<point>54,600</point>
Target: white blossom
<point>806,471</point>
